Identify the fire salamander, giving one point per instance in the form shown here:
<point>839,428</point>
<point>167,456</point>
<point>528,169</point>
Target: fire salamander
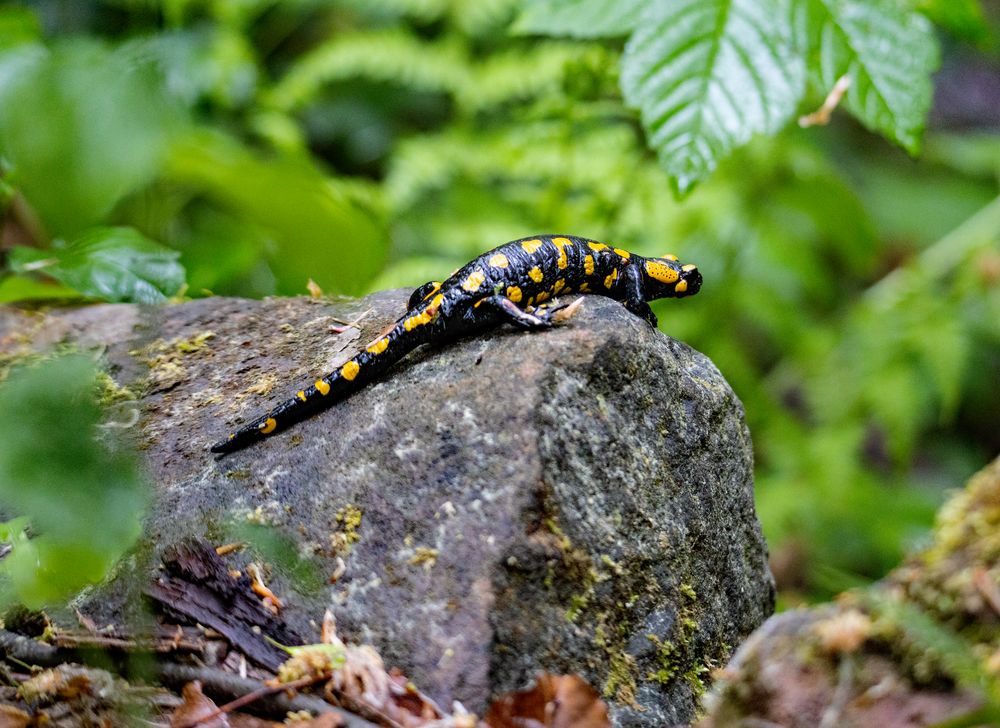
<point>509,284</point>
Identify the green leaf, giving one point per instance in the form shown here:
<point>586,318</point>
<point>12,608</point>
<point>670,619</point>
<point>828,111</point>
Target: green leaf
<point>322,228</point>
<point>707,75</point>
<point>581,18</point>
<point>962,18</point>
<point>24,288</point>
<point>82,127</point>
<point>18,26</point>
<point>84,503</point>
<point>889,53</point>
<point>112,264</point>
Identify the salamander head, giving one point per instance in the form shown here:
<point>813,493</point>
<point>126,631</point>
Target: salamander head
<point>666,278</point>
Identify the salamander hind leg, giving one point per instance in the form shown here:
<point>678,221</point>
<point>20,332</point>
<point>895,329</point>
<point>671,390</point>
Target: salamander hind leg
<point>423,292</point>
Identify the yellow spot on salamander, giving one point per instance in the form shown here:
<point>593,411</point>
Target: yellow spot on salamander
<point>499,261</point>
<point>584,287</point>
<point>561,244</point>
<point>681,286</point>
<point>611,278</point>
<point>531,246</point>
<point>479,303</point>
<point>268,425</point>
<point>597,247</point>
<point>424,317</point>
<point>536,274</point>
<point>623,253</point>
<point>435,304</point>
<point>543,296</point>
<point>322,387</point>
<point>689,267</point>
<point>474,281</point>
<point>379,346</point>
<point>661,271</point>
<point>588,265</point>
<point>435,289</point>
<point>514,294</point>
<point>670,256</point>
<point>301,395</point>
<point>350,370</point>
<point>558,286</point>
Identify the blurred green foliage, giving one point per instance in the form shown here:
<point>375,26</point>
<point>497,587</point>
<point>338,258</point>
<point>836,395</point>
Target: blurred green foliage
<point>852,293</point>
<point>78,500</point>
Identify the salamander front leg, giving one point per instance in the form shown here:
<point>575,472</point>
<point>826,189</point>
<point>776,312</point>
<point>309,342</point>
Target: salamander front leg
<point>502,308</point>
<point>635,297</point>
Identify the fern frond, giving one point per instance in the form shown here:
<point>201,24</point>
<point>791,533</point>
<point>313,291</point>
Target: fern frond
<point>389,55</point>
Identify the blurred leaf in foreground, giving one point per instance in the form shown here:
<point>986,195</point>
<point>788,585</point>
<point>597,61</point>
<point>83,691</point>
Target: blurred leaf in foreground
<point>112,264</point>
<point>81,126</point>
<point>84,503</point>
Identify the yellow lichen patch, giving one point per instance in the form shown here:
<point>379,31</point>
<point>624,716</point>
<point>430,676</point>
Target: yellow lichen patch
<point>322,387</point>
<point>514,294</point>
<point>681,286</point>
<point>531,246</point>
<point>543,296</point>
<point>689,267</point>
<point>661,271</point>
<point>536,274</point>
<point>268,425</point>
<point>611,278</point>
<point>588,265</point>
<point>379,346</point>
<point>669,256</point>
<point>350,370</point>
<point>301,395</point>
<point>597,247</point>
<point>624,254</point>
<point>558,286</point>
<point>473,282</point>
<point>499,261</point>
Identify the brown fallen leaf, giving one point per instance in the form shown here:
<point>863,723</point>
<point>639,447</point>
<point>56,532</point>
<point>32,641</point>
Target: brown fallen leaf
<point>556,701</point>
<point>11,717</point>
<point>196,708</point>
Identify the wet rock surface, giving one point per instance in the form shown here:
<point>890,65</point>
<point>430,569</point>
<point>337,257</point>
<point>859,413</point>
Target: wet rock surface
<point>576,500</point>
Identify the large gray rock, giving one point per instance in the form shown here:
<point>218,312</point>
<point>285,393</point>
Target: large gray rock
<point>577,500</point>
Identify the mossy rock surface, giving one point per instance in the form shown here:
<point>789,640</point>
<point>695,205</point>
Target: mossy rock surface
<point>914,650</point>
<point>575,500</point>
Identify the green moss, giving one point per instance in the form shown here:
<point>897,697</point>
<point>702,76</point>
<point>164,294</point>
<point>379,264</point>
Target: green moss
<point>621,683</point>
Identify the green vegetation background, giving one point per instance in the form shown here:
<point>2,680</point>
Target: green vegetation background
<point>169,148</point>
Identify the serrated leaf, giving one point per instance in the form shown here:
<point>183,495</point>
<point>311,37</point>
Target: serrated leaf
<point>581,18</point>
<point>112,264</point>
<point>889,53</point>
<point>707,75</point>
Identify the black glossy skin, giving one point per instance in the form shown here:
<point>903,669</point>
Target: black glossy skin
<point>504,285</point>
